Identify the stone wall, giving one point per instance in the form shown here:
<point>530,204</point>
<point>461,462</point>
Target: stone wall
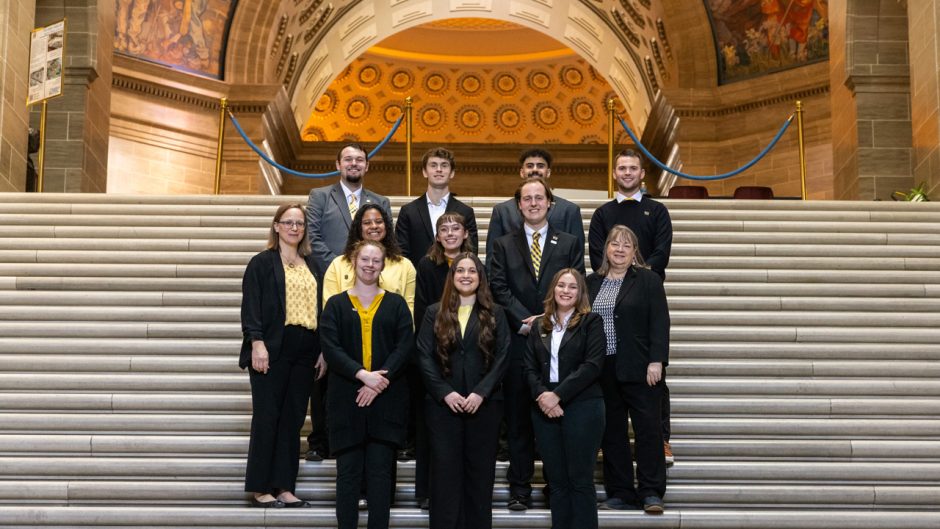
<point>924,19</point>
<point>16,21</point>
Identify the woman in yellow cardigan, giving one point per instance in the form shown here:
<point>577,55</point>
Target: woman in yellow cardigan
<point>372,224</point>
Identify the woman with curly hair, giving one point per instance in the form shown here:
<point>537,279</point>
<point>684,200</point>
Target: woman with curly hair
<point>371,223</point>
<point>463,352</point>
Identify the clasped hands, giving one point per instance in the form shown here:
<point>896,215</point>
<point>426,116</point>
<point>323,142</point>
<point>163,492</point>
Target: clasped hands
<point>373,383</point>
<point>550,404</point>
<point>458,404</point>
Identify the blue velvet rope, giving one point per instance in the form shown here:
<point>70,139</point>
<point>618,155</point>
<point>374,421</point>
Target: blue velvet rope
<point>266,158</point>
<point>743,168</point>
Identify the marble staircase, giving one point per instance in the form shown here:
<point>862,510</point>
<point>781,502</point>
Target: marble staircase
<point>805,369</point>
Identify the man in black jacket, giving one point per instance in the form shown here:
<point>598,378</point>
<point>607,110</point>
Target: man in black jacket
<point>415,228</point>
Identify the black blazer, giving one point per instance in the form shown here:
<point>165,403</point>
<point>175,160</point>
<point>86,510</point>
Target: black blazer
<point>341,337</point>
<point>429,286</point>
<point>414,230</point>
<point>641,320</point>
<point>467,373</point>
<point>512,276</point>
<point>264,305</point>
<point>580,360</point>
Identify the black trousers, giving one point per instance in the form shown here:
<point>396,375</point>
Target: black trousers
<point>666,410</point>
<point>569,446</point>
<point>418,430</point>
<point>518,407</point>
<point>463,465</point>
<point>279,406</point>
<point>374,461</point>
<point>318,439</point>
<point>643,405</point>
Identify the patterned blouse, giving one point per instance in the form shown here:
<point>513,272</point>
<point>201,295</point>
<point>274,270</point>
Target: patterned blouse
<point>604,305</point>
<point>301,290</point>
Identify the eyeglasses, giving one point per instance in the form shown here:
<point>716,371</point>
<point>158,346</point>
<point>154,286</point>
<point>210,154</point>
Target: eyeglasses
<point>289,224</point>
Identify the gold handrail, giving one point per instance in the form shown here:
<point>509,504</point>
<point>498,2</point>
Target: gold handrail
<point>802,144</point>
<point>610,148</point>
<point>218,152</point>
<point>408,102</point>
<point>42,147</point>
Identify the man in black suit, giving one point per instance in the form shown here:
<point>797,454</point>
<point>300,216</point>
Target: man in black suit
<point>650,221</point>
<point>329,214</point>
<point>415,228</point>
<point>564,216</point>
<point>522,266</point>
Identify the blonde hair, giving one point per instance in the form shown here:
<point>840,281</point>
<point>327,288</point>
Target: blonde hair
<point>621,233</point>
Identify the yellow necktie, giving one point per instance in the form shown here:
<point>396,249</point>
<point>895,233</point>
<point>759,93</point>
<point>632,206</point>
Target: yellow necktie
<point>536,252</point>
<point>353,205</point>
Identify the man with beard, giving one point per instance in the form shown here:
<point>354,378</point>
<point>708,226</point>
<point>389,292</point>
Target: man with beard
<point>563,215</point>
<point>330,210</point>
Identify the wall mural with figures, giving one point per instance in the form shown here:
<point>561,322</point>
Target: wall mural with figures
<point>756,37</point>
<point>187,35</point>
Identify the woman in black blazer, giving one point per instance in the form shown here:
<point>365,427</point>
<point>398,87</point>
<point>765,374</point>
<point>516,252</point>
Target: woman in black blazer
<point>279,348</point>
<point>463,352</point>
<point>563,360</point>
<point>632,302</point>
<point>452,238</point>
<point>367,336</point>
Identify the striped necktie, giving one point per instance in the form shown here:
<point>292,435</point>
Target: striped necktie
<point>353,205</point>
<point>536,252</point>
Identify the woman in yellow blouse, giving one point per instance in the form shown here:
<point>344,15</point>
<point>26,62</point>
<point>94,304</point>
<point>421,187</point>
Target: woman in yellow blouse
<point>367,337</point>
<point>279,347</point>
<point>398,275</point>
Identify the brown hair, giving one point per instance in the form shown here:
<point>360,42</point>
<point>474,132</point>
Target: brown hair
<point>621,232</point>
<point>447,326</point>
<point>436,251</point>
<point>274,242</point>
<point>438,152</point>
<point>538,180</point>
<point>581,306</point>
<point>354,145</point>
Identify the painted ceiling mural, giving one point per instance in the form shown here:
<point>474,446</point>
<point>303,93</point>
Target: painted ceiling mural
<point>561,101</point>
<point>757,37</point>
<point>187,35</point>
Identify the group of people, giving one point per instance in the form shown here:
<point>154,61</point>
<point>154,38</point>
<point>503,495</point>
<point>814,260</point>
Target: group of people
<point>406,345</point>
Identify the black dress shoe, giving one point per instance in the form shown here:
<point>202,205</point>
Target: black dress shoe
<point>313,455</point>
<point>518,503</point>
<point>297,504</point>
<point>273,504</point>
<point>424,504</point>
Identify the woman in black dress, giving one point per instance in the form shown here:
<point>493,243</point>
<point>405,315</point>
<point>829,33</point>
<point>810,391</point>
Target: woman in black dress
<point>279,348</point>
<point>367,336</point>
<point>463,352</point>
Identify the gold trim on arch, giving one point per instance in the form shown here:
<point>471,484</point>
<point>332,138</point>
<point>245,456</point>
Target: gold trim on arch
<point>471,59</point>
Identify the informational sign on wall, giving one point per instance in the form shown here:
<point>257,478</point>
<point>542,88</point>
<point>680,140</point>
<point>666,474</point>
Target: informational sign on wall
<point>46,51</point>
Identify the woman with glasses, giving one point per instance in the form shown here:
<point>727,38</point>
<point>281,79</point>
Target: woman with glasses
<point>367,337</point>
<point>279,348</point>
<point>371,223</point>
<point>463,352</point>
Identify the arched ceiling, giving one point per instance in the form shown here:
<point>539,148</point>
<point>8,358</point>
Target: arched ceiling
<point>623,41</point>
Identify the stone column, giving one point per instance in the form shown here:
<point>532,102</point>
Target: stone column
<point>78,121</point>
<point>871,103</point>
<point>16,21</point>
<point>924,17</point>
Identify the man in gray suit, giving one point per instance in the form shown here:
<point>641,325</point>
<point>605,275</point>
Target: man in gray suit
<point>330,209</point>
<point>563,216</point>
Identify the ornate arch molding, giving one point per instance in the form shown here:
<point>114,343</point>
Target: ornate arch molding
<point>304,44</point>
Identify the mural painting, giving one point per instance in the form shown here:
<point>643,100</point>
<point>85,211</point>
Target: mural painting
<point>756,37</point>
<point>187,35</point>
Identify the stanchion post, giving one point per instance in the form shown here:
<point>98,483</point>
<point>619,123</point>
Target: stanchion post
<point>41,170</point>
<point>223,107</point>
<point>610,148</point>
<point>802,145</point>
<point>408,105</point>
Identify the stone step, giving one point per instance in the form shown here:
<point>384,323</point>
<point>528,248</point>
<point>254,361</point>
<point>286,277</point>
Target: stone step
<point>893,305</point>
<point>236,446</point>
<point>833,291</point>
<point>829,264</point>
<point>701,333</point>
<point>108,315</point>
<point>71,258</point>
<point>132,346</point>
<point>226,424</point>
<point>770,385</point>
<point>259,234</point>
<point>130,300</point>
<point>869,251</point>
<point>118,364</point>
<point>187,285</point>
<point>157,245</point>
<point>718,350</point>
<point>325,518</point>
<point>873,369</point>
<point>173,468</point>
<point>121,329</point>
<point>798,237</point>
<point>182,271</point>
<point>730,275</point>
<point>102,401</point>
